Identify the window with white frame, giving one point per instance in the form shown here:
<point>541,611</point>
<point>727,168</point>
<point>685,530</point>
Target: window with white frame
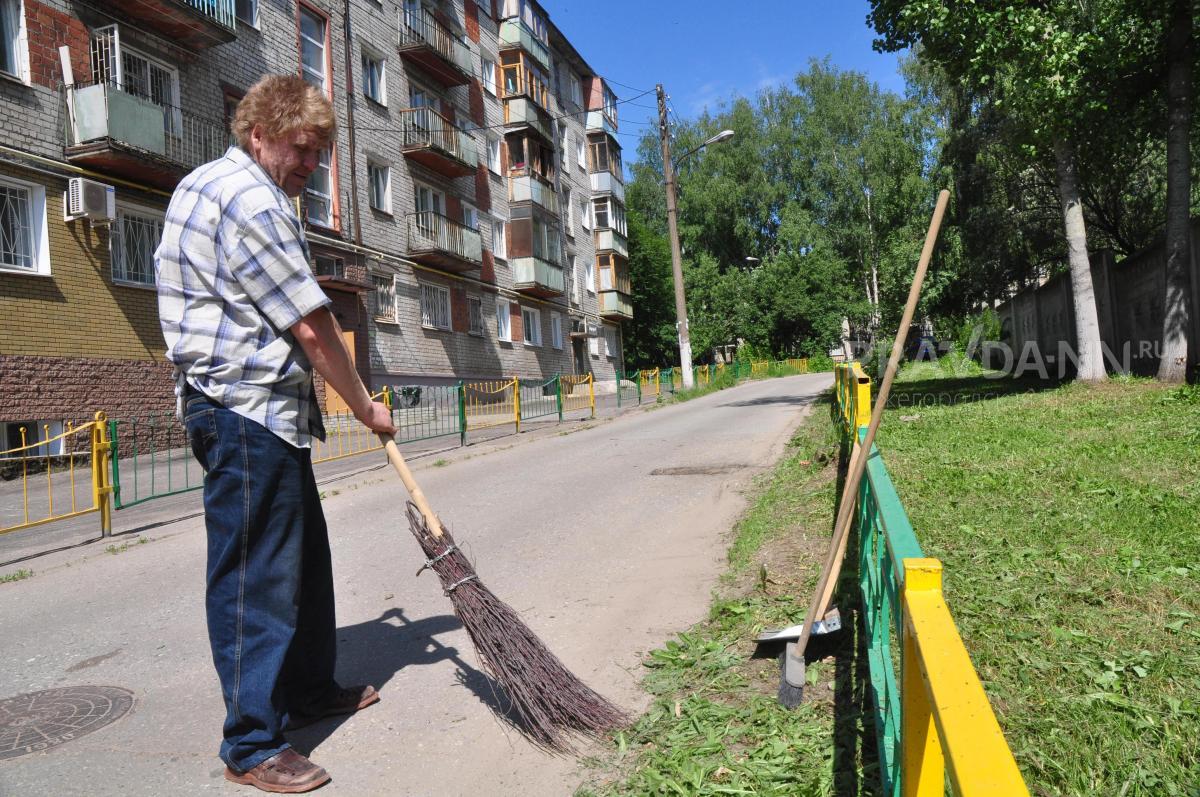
<point>493,155</point>
<point>576,279</point>
<point>470,217</point>
<point>570,206</point>
<point>531,320</point>
<point>545,241</point>
<point>610,341</point>
<point>581,153</point>
<point>379,178</point>
<point>318,192</point>
<point>313,45</point>
<point>489,74</point>
<point>594,346</point>
<point>435,306</point>
<point>609,214</point>
<point>499,239</point>
<point>247,11</point>
<point>374,76</point>
<point>589,276</point>
<point>24,245</point>
<point>328,266</point>
<point>383,298</point>
<point>566,144</point>
<point>575,89</point>
<point>585,214</point>
<point>134,237</point>
<point>503,320</point>
<point>556,338</point>
<point>474,315</point>
<point>14,49</point>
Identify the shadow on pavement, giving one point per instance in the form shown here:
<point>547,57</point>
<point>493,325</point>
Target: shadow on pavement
<point>797,401</point>
<point>374,651</point>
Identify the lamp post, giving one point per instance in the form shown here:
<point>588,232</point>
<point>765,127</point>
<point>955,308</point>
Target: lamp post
<point>681,322</point>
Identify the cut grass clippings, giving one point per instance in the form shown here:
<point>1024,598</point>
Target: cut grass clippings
<point>1067,518</point>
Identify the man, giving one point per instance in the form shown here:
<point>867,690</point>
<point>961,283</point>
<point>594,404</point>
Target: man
<point>245,323</point>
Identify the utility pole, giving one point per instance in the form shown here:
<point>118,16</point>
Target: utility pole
<point>681,322</point>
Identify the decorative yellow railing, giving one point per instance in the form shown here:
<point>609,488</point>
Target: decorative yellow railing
<point>346,436</point>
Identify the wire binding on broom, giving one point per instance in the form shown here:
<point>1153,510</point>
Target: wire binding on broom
<point>551,703</point>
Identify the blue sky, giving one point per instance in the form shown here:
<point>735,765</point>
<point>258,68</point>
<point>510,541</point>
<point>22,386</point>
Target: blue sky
<point>704,52</point>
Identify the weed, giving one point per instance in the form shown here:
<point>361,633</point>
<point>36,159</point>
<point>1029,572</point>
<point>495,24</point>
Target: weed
<point>441,463</point>
<point>16,575</point>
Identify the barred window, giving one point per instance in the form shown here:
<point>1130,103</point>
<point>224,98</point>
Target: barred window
<point>475,315</point>
<point>435,306</point>
<point>383,298</point>
<point>16,228</point>
<point>135,236</point>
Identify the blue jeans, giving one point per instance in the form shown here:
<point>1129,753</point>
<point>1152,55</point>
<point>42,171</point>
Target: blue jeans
<point>269,596</point>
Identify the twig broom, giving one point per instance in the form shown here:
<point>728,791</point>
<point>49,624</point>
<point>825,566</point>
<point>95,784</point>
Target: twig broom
<point>550,702</point>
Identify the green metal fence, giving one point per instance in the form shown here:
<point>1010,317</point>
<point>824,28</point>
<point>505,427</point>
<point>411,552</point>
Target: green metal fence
<point>540,399</point>
<point>423,412</point>
<point>151,459</point>
<point>629,387</point>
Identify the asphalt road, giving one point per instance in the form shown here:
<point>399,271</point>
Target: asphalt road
<point>607,537</point>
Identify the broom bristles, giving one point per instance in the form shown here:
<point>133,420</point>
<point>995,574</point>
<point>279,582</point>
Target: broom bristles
<point>550,702</point>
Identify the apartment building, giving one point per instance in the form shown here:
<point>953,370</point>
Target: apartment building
<point>467,223</point>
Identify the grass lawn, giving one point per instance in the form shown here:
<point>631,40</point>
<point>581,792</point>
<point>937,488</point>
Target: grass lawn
<point>1068,520</point>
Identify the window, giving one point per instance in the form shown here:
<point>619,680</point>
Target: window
<point>570,206</point>
<point>581,153</point>
<point>379,178</point>
<point>575,89</point>
<point>312,48</point>
<point>435,306</point>
<point>470,217</point>
<point>576,281</point>
<point>14,54</point>
<point>499,241</point>
<point>318,193</point>
<point>531,319</point>
<point>132,242</point>
<point>23,243</point>
<point>606,156</point>
<point>374,77</point>
<point>493,155</point>
<point>610,341</point>
<point>503,321</point>
<point>429,200</point>
<point>247,11</point>
<point>136,74</point>
<point>609,215</point>
<point>556,339</point>
<point>610,104</point>
<point>326,266</point>
<point>594,346</point>
<point>545,241</point>
<point>383,298</point>
<point>589,276</point>
<point>475,315</point>
<point>566,144</point>
<point>489,75</point>
<point>585,214</point>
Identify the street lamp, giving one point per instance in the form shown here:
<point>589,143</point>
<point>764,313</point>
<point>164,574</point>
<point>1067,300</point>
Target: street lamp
<point>681,322</point>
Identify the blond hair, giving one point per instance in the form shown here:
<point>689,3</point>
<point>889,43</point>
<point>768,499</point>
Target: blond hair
<point>283,104</point>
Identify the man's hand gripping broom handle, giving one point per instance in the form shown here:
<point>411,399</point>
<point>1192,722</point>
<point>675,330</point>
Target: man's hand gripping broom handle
<point>410,484</point>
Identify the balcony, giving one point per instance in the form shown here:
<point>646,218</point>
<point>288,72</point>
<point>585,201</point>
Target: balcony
<point>438,241</point>
<point>598,122</point>
<point>435,142</point>
<point>531,188</point>
<point>537,277</point>
<point>615,305</point>
<point>608,183</point>
<point>192,24</point>
<point>120,133</point>
<point>515,33</point>
<point>522,113</point>
<point>429,44</point>
<point>609,240</point>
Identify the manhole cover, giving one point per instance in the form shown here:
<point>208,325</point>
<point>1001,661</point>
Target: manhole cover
<point>43,720</point>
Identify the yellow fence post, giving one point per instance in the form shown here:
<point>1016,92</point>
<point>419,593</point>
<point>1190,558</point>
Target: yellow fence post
<point>516,386</point>
<point>862,401</point>
<point>591,394</point>
<point>923,768</point>
<point>101,489</point>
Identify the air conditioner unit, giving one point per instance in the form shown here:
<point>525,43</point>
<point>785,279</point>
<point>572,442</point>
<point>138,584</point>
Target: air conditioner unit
<point>88,199</point>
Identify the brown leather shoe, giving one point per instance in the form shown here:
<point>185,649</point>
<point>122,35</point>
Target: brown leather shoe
<point>341,701</point>
<point>286,772</point>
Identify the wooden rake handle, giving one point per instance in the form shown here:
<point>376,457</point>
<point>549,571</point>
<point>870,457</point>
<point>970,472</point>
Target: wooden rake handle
<point>410,484</point>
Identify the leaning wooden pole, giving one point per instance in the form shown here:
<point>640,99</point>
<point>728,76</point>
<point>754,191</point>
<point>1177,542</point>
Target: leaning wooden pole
<point>841,527</point>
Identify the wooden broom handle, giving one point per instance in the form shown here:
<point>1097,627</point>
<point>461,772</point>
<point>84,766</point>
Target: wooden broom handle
<point>410,484</point>
<point>858,464</point>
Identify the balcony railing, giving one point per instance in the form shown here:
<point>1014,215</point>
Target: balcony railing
<point>598,121</point>
<point>514,32</point>
<point>607,239</point>
<point>192,24</point>
<point>537,276</point>
<point>435,141</point>
<point>608,183</point>
<point>615,304</point>
<point>119,131</point>
<point>523,112</point>
<point>433,46</point>
<point>447,243</point>
<point>528,187</point>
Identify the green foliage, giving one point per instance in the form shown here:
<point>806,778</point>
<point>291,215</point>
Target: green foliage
<point>16,575</point>
<point>650,336</point>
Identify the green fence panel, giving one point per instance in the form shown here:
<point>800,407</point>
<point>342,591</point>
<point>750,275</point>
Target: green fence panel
<point>629,388</point>
<point>539,399</point>
<point>151,459</point>
<point>423,412</point>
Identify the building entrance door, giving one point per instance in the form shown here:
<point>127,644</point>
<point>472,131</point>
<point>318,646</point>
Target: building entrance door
<point>581,360</point>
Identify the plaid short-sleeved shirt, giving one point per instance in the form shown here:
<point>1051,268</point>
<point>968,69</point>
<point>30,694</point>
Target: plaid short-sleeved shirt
<point>233,277</point>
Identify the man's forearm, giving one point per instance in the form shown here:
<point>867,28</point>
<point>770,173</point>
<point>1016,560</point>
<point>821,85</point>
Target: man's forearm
<point>320,335</point>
